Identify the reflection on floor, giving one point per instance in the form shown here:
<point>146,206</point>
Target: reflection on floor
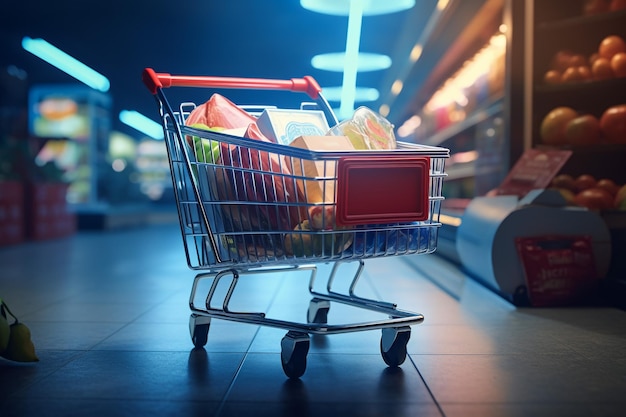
<point>109,317</point>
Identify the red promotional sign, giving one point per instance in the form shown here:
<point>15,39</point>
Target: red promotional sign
<point>534,170</point>
<point>559,270</point>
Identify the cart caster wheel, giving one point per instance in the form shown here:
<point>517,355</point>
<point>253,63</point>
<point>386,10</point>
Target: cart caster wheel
<point>318,311</point>
<point>294,348</point>
<point>199,329</point>
<point>393,345</point>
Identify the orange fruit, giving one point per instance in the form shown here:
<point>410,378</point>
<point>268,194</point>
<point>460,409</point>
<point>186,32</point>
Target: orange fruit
<point>585,72</point>
<point>601,69</point>
<point>552,77</point>
<point>577,60</point>
<point>552,128</point>
<point>572,74</point>
<point>584,182</point>
<point>613,124</point>
<point>611,45</point>
<point>609,185</point>
<point>561,60</point>
<point>583,130</point>
<point>618,64</point>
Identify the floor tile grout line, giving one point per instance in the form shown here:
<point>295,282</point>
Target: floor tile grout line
<point>224,399</point>
<point>430,392</point>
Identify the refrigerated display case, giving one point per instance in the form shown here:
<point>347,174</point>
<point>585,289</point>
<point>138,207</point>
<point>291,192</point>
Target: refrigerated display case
<point>72,123</point>
<point>576,30</point>
<point>567,29</point>
<point>496,114</point>
<point>471,103</point>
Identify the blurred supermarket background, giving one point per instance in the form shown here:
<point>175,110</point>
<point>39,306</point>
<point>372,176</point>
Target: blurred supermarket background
<point>476,76</point>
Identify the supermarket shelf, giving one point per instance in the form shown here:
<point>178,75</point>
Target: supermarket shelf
<point>574,23</point>
<point>480,115</point>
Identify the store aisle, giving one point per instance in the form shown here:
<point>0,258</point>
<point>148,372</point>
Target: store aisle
<point>109,314</point>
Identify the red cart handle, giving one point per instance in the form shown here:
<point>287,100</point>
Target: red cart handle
<point>154,81</point>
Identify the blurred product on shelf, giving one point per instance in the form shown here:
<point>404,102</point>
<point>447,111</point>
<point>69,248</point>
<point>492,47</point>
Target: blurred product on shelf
<point>607,61</point>
<point>586,191</point>
<point>564,125</point>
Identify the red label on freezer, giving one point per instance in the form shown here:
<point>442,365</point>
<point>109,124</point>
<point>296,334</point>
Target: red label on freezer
<point>559,270</point>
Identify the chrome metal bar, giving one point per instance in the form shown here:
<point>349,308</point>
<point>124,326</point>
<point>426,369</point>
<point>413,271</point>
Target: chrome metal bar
<point>356,278</point>
<point>360,302</point>
<point>313,328</point>
<point>351,298</point>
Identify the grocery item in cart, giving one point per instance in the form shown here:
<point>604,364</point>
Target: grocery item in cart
<point>317,191</point>
<point>265,183</point>
<point>284,125</point>
<point>389,239</point>
<point>219,112</point>
<point>366,130</point>
<point>318,235</point>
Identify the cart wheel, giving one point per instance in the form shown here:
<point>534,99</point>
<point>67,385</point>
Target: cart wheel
<point>318,311</point>
<point>294,348</point>
<point>199,329</point>
<point>393,345</point>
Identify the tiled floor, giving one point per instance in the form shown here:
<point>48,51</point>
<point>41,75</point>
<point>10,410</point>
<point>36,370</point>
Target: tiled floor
<point>109,318</point>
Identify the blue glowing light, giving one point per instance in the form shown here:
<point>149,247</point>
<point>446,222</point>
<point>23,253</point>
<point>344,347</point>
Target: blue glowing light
<point>142,123</point>
<point>66,63</point>
<point>361,94</point>
<point>353,41</point>
<point>370,7</point>
<point>365,62</point>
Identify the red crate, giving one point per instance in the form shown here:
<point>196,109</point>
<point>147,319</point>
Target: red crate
<point>47,215</point>
<point>11,212</point>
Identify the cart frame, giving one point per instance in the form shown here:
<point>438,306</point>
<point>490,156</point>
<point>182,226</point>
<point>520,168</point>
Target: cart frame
<point>204,236</point>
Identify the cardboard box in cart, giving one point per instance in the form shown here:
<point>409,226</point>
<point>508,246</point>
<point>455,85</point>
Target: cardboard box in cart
<point>318,191</point>
<point>283,126</point>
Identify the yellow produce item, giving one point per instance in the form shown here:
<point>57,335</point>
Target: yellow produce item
<point>15,342</point>
<point>5,331</point>
<point>20,347</point>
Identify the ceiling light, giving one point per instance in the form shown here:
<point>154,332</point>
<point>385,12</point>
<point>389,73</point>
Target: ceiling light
<point>370,7</point>
<point>353,40</point>
<point>442,4</point>
<point>416,52</point>
<point>337,61</point>
<point>361,94</point>
<point>396,87</point>
<point>66,63</point>
<point>142,123</point>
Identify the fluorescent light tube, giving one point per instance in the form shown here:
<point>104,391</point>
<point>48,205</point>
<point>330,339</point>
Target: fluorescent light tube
<point>355,19</point>
<point>142,123</point>
<point>361,94</point>
<point>335,61</point>
<point>66,63</point>
<point>370,7</point>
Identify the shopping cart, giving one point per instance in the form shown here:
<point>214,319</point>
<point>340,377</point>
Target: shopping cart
<point>237,219</point>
